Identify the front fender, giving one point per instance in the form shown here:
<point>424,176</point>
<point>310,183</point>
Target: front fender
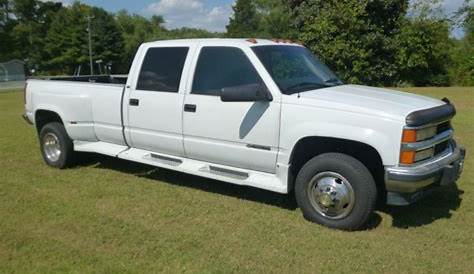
<point>381,142</point>
<point>381,133</point>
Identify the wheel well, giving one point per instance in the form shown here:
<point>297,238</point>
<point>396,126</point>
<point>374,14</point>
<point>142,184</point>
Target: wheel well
<point>43,117</point>
<point>309,147</point>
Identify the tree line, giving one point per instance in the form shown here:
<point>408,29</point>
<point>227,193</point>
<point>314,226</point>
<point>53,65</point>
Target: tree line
<point>53,39</point>
<point>382,42</point>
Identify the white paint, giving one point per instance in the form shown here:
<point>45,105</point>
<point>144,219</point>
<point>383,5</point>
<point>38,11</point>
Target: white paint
<point>218,132</point>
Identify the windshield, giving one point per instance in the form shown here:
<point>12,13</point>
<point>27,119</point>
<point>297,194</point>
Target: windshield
<point>295,69</point>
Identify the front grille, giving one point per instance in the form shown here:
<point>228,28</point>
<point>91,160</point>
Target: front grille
<point>434,146</point>
<point>431,121</point>
<point>443,127</point>
<point>441,147</point>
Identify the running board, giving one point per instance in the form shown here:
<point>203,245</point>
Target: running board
<point>99,147</point>
<point>273,182</point>
<point>228,174</point>
<point>210,169</point>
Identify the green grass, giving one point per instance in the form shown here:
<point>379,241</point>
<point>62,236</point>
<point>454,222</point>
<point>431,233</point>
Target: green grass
<point>111,216</point>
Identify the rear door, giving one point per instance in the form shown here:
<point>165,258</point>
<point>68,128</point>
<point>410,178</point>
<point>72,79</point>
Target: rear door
<point>238,134</point>
<point>155,101</point>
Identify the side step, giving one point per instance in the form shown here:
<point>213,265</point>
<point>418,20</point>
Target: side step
<point>164,159</point>
<point>232,175</point>
<point>227,172</point>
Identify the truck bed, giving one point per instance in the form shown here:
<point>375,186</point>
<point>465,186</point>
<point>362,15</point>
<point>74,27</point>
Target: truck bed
<point>89,106</point>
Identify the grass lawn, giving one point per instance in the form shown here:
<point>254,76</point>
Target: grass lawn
<point>112,216</point>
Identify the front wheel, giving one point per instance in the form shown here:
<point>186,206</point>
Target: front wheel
<point>56,146</point>
<point>336,190</point>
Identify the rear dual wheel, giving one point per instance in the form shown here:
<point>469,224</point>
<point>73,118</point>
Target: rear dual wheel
<point>56,147</point>
<point>336,190</point>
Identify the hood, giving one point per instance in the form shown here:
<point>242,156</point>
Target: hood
<point>369,100</point>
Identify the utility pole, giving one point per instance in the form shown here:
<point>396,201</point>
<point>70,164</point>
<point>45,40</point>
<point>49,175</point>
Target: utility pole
<point>89,30</point>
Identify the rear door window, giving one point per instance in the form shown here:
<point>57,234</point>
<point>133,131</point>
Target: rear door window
<point>162,68</point>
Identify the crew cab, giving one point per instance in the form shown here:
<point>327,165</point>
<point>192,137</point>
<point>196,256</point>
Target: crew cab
<point>260,113</point>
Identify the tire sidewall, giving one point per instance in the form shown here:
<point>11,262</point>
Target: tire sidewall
<point>358,177</point>
<point>58,130</point>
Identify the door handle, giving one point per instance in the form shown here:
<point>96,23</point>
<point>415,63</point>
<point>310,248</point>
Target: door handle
<point>134,102</point>
<point>189,108</point>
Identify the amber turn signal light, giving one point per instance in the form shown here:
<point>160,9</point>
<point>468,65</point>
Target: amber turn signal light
<point>409,136</point>
<point>407,157</point>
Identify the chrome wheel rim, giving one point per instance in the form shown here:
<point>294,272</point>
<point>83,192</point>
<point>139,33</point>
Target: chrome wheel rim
<point>51,147</point>
<point>331,195</point>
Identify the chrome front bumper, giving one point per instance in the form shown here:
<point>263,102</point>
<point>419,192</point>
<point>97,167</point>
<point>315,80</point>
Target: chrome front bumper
<point>406,184</point>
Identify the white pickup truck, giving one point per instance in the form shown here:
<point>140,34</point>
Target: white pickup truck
<point>259,113</point>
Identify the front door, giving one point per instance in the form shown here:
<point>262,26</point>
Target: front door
<point>238,134</point>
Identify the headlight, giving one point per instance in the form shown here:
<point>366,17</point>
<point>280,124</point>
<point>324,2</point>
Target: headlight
<point>425,133</point>
<point>410,157</point>
<point>424,154</point>
<point>416,135</point>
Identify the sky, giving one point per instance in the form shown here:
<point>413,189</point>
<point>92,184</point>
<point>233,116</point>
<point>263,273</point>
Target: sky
<point>212,15</point>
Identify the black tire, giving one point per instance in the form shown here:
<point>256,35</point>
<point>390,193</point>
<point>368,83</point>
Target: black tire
<point>362,185</point>
<point>67,156</point>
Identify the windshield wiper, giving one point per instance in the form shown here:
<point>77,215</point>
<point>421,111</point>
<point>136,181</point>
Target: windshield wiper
<point>305,85</point>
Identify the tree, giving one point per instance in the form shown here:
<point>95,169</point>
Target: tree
<point>157,22</point>
<point>136,30</point>
<point>262,19</point>
<point>5,30</point>
<point>4,13</point>
<point>423,45</point>
<point>189,33</point>
<point>275,19</point>
<point>469,24</point>
<point>107,40</point>
<point>244,22</point>
<point>355,38</point>
<point>423,52</point>
<point>462,52</point>
<point>28,29</point>
<point>66,43</point>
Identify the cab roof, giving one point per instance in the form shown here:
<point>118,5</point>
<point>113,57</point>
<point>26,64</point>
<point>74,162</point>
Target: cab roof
<point>238,42</point>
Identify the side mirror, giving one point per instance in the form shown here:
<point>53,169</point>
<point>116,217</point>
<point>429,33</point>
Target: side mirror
<point>246,93</point>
